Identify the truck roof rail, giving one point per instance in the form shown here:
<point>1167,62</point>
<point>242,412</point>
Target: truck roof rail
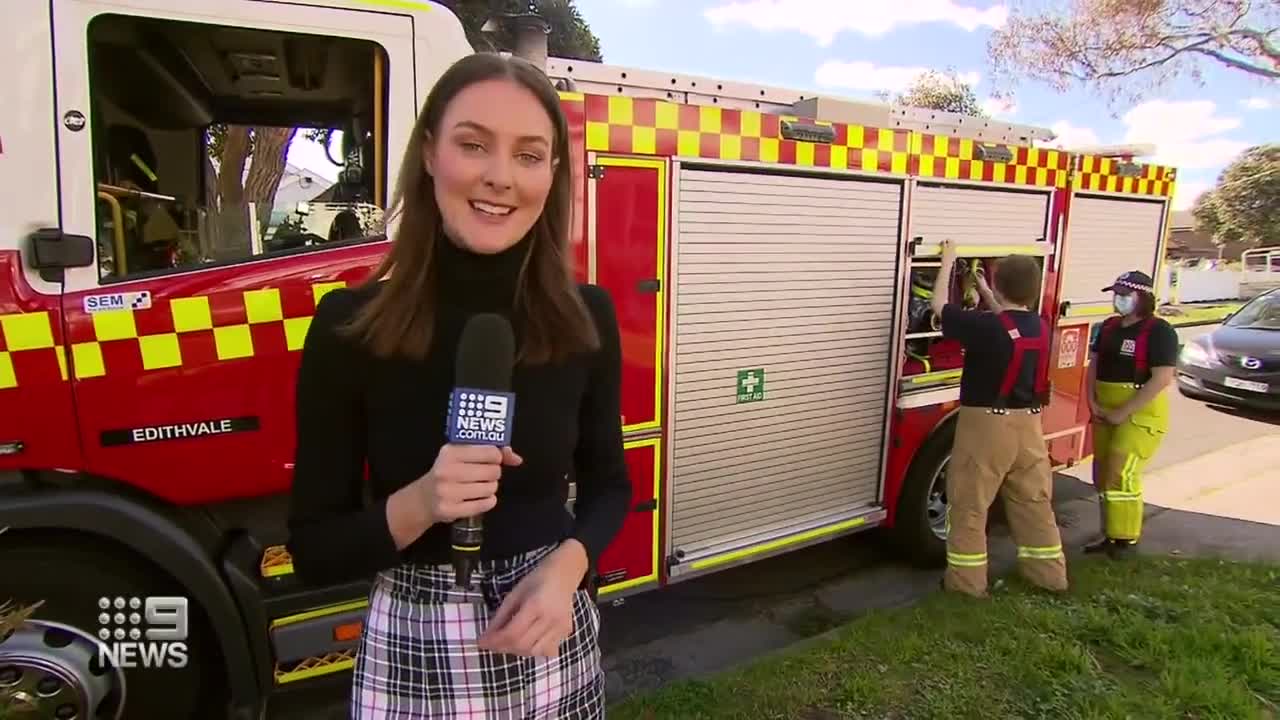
<point>599,78</point>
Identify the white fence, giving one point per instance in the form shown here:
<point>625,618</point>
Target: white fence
<point>1187,285</point>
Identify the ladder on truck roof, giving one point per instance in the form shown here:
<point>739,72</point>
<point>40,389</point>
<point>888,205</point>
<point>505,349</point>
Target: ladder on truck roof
<point>600,79</point>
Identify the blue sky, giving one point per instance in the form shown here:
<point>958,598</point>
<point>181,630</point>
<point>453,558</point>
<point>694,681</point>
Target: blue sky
<point>852,47</point>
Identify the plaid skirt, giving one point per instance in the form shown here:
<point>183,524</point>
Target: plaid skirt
<point>418,656</point>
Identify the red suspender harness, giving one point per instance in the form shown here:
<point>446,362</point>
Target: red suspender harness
<point>1141,373</point>
<point>1020,346</point>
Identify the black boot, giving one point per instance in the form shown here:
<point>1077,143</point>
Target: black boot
<point>1122,548</point>
<point>1103,544</point>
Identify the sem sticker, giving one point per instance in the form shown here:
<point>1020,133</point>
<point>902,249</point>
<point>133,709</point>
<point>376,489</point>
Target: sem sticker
<point>140,300</point>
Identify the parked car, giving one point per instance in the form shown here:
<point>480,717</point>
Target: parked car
<point>1238,364</point>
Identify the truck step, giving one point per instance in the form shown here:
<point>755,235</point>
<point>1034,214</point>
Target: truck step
<point>313,631</point>
<point>314,667</point>
<point>276,562</point>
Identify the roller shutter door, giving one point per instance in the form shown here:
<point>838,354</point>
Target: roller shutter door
<point>795,276</point>
<point>1105,237</point>
<point>978,216</point>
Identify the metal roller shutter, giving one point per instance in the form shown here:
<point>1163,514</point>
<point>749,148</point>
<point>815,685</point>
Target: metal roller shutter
<point>978,216</point>
<point>1105,237</point>
<point>794,276</point>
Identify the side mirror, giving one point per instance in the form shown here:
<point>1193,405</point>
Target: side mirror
<point>1063,308</point>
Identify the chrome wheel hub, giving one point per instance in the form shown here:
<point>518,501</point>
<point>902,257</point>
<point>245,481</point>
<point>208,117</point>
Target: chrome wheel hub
<point>50,671</point>
<point>936,505</point>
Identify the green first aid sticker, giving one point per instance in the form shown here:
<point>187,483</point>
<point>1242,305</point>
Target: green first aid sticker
<point>751,385</point>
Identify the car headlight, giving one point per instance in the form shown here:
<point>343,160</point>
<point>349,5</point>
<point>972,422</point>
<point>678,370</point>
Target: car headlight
<point>1194,353</point>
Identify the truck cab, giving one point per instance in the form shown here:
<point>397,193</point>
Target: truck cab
<point>182,185</point>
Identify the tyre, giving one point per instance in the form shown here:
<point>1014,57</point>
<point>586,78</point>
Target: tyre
<point>919,527</point>
<point>51,666</point>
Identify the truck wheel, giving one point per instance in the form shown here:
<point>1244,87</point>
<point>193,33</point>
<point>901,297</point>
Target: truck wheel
<point>919,528</point>
<point>50,667</point>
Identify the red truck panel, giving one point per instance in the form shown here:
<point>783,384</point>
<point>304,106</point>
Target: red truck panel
<point>630,204</point>
<point>632,558</point>
<point>215,353</point>
<point>36,407</point>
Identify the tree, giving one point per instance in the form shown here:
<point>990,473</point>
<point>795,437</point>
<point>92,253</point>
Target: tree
<point>1126,48</point>
<point>570,36</point>
<point>940,91</point>
<point>1244,205</point>
<point>264,150</point>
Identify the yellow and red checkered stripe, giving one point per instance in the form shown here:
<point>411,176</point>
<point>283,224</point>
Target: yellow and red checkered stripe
<point>31,350</point>
<point>648,126</point>
<point>175,332</point>
<point>1101,173</point>
<point>950,158</point>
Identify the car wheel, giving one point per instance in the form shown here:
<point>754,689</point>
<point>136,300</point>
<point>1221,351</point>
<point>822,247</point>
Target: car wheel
<point>51,667</point>
<point>919,527</point>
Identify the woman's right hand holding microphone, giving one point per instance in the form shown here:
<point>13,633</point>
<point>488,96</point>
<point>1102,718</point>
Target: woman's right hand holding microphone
<point>462,482</point>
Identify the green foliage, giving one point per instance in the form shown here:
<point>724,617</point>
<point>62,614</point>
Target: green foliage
<point>1244,206</point>
<point>1151,638</point>
<point>940,91</point>
<point>1125,50</point>
<point>570,36</point>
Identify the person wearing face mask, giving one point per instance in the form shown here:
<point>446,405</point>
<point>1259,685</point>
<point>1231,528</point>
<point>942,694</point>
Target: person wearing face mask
<point>999,445</point>
<point>484,201</point>
<point>1132,364</point>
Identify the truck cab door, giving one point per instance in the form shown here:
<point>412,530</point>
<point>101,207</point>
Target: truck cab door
<point>37,419</point>
<point>192,147</point>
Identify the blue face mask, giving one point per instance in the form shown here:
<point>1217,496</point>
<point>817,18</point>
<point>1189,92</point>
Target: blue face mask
<point>1125,304</point>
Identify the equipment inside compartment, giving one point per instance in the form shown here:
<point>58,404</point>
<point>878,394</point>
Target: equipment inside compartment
<point>926,351</point>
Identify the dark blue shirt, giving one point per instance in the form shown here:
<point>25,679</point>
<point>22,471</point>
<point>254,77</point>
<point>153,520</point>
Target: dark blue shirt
<point>988,350</point>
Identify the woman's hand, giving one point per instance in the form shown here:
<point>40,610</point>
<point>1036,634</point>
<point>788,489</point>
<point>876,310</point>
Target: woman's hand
<point>462,482</point>
<point>948,252</point>
<point>538,614</point>
<point>1115,417</point>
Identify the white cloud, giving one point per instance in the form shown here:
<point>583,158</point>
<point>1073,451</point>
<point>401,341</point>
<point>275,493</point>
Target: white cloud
<point>862,75</point>
<point>1069,135</point>
<point>1257,103</point>
<point>1185,133</point>
<point>640,3</point>
<point>824,19</point>
<point>997,108</point>
<point>1185,193</point>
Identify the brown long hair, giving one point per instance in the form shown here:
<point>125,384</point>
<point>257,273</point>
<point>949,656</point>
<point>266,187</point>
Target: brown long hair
<point>399,319</point>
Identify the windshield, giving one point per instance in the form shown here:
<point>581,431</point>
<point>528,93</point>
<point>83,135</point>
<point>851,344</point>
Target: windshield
<point>1261,313</point>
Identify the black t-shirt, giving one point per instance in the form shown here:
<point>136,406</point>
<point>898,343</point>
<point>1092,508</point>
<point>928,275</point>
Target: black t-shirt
<point>1115,353</point>
<point>988,350</point>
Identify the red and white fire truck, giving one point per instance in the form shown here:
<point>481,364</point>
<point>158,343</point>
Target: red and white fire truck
<point>768,252</point>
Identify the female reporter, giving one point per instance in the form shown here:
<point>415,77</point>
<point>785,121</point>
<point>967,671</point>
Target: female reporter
<point>1132,364</point>
<point>484,203</point>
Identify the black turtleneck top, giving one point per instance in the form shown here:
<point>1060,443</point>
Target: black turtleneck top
<point>357,411</point>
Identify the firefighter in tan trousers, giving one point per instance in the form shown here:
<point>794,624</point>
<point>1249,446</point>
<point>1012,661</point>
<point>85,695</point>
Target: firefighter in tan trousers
<point>999,445</point>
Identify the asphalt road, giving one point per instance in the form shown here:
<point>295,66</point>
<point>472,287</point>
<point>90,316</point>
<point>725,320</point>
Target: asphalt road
<point>708,624</point>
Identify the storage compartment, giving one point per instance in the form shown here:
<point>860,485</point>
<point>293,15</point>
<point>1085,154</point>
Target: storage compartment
<point>928,359</point>
<point>784,288</point>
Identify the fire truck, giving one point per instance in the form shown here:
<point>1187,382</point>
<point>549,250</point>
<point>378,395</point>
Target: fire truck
<point>769,253</point>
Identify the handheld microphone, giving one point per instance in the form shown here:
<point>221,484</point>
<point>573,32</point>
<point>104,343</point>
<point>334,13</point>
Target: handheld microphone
<point>481,409</point>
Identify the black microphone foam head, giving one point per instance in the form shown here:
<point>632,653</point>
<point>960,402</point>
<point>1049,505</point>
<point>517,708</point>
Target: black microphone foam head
<point>486,353</point>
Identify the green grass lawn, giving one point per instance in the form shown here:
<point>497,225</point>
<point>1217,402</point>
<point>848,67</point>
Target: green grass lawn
<point>1140,638</point>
